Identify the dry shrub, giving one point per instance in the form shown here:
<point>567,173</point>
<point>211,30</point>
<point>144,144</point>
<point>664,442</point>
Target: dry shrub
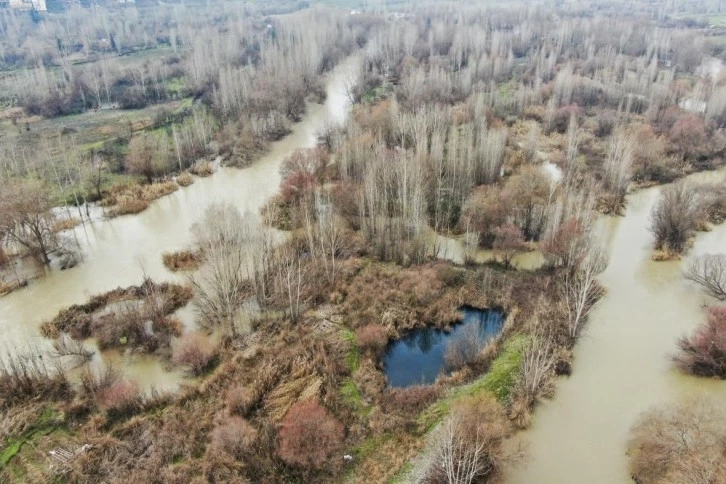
<point>128,206</point>
<point>183,260</point>
<point>411,400</point>
<point>121,398</point>
<point>202,169</point>
<point>683,443</point>
<point>184,179</point>
<point>235,436</point>
<point>239,400</point>
<point>134,198</point>
<point>704,353</point>
<point>469,443</point>
<point>25,376</point>
<point>399,298</point>
<point>372,337</point>
<point>310,437</point>
<point>195,352</point>
<point>60,226</point>
<point>8,287</point>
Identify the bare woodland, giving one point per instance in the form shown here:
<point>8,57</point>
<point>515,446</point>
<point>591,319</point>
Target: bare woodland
<point>506,130</point>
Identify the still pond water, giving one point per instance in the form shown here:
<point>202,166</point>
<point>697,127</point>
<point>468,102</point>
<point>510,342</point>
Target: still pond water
<point>418,358</point>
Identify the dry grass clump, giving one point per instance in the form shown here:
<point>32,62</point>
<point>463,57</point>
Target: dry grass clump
<point>64,224</point>
<point>371,338</point>
<point>679,444</point>
<point>140,320</point>
<point>8,287</point>
<point>239,400</point>
<point>183,260</point>
<point>184,179</point>
<point>196,353</point>
<point>135,198</point>
<point>202,169</point>
<point>235,436</point>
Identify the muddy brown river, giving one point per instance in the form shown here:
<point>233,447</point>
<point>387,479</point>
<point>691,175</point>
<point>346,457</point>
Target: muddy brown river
<point>621,366</point>
<point>119,252</point>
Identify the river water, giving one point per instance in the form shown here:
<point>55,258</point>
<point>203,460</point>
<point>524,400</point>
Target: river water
<point>119,252</point>
<point>621,366</point>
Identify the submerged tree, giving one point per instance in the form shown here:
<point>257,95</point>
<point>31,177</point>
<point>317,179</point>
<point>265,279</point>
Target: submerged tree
<point>26,218</point>
<point>675,217</point>
<point>709,271</point>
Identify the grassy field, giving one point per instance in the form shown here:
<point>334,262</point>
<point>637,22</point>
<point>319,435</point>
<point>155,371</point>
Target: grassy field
<point>90,129</point>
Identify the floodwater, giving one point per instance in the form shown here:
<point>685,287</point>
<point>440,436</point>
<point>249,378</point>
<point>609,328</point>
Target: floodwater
<point>418,357</point>
<point>119,252</point>
<point>621,365</point>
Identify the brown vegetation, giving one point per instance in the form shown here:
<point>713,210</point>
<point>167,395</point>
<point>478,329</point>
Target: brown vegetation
<point>183,260</point>
<point>310,437</point>
<point>195,352</point>
<point>675,217</point>
<point>680,443</point>
<point>135,198</point>
<point>135,310</point>
<point>704,353</point>
<point>184,179</point>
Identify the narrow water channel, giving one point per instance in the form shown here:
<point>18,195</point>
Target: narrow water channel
<point>119,252</point>
<point>621,365</point>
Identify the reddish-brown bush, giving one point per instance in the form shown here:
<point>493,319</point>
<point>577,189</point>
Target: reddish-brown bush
<point>235,436</point>
<point>310,437</point>
<point>372,337</point>
<point>689,135</point>
<point>487,208</point>
<point>704,353</point>
<point>195,352</point>
<point>122,397</point>
<point>508,240</point>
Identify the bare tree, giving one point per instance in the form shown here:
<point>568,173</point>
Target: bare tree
<point>291,278</point>
<point>581,290</point>
<point>468,446</point>
<point>709,271</point>
<point>26,219</point>
<point>537,368</point>
<point>675,216</point>
<point>222,284</point>
<point>618,162</point>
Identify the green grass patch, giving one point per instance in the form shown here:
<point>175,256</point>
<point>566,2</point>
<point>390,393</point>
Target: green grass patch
<point>499,381</point>
<point>402,474</point>
<point>378,93</point>
<point>176,86</point>
<point>352,359</point>
<point>48,422</point>
<point>353,398</point>
<point>502,376</point>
